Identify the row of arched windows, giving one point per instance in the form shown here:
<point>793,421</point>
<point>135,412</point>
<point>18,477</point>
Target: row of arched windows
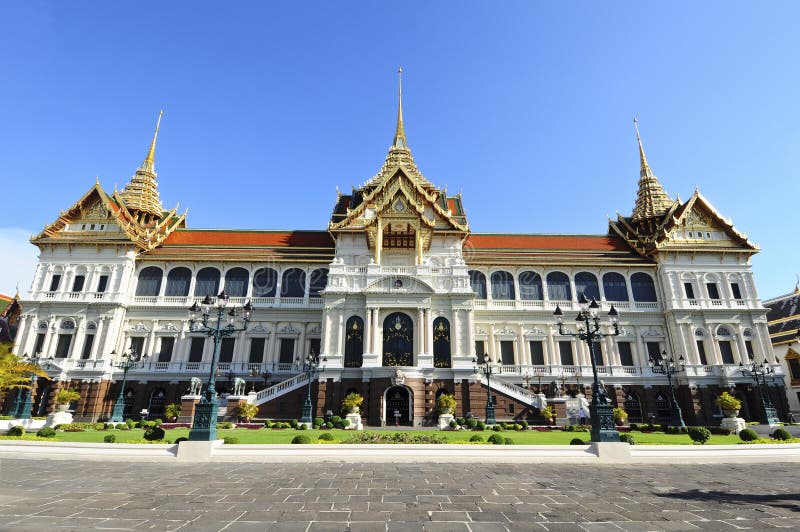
<point>237,281</point>
<point>558,286</point>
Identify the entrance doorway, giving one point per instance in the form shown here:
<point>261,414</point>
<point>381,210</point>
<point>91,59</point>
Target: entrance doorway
<point>398,406</point>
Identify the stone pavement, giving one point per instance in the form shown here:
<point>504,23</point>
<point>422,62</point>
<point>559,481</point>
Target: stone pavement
<point>73,495</point>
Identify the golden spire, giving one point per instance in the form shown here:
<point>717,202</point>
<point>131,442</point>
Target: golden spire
<point>651,200</point>
<point>150,160</point>
<point>645,168</point>
<point>141,193</point>
<point>399,133</point>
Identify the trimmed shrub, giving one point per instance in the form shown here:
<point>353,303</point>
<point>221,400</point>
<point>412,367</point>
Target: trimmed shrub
<point>16,430</point>
<point>124,427</point>
<point>453,424</point>
<point>699,434</point>
<point>301,439</point>
<point>182,438</point>
<point>46,432</point>
<point>476,438</point>
<point>634,426</point>
<point>498,428</point>
<point>109,438</point>
<point>230,440</point>
<point>326,436</point>
<point>223,425</point>
<point>508,441</point>
<point>480,425</point>
<point>130,423</point>
<point>781,435</point>
<point>502,425</point>
<point>154,434</point>
<point>319,421</point>
<point>720,431</point>
<point>472,423</point>
<point>302,426</point>
<point>496,439</point>
<point>627,438</point>
<point>517,427</point>
<point>336,421</point>
<point>524,424</point>
<point>99,426</point>
<point>748,435</point>
<point>461,421</point>
<point>578,441</point>
<point>293,423</point>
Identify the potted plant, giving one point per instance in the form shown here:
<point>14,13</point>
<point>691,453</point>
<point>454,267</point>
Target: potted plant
<point>446,404</point>
<point>549,413</point>
<point>729,404</point>
<point>245,411</point>
<point>352,402</point>
<point>620,416</point>
<point>64,397</point>
<point>172,411</point>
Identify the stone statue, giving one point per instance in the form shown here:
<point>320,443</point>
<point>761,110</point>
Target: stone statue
<point>195,385</point>
<point>238,386</point>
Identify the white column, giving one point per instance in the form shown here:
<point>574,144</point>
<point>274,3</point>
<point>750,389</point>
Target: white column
<point>302,341</point>
<point>471,333</point>
<point>341,335</point>
<point>421,334</point>
<point>492,351</point>
<point>271,355</point>
<point>368,332</point>
<point>429,331</point>
<point>455,335</point>
<point>741,349</point>
<point>377,343</point>
<point>520,354</point>
<point>98,335</point>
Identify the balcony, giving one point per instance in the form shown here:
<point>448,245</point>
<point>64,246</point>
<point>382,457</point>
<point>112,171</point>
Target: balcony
<point>605,306</point>
<point>712,304</point>
<point>257,302</point>
<point>75,297</point>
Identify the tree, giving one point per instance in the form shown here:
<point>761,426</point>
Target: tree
<point>15,372</point>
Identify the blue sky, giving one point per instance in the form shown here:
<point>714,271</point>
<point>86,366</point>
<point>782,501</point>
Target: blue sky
<point>525,107</point>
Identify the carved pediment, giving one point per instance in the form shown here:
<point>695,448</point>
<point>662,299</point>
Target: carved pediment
<point>534,332</point>
<point>289,329</point>
<point>652,333</point>
<point>399,284</point>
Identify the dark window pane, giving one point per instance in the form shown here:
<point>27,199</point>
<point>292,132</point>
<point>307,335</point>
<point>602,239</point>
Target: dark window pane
<point>653,350</point>
<point>165,354</point>
<point>87,347</point>
<point>137,344</point>
<point>54,282</point>
<point>39,343</point>
<point>293,283</point>
<point>257,350</point>
<point>625,353</point>
<point>565,349</point>
<point>737,293</point>
<point>530,286</point>
<point>441,343</point>
<point>196,349</point>
<point>507,353</point>
<point>586,284</point>
<point>287,351</point>
<point>749,346</point>
<point>614,287</point>
<point>794,368</point>
<point>62,348</point>
<point>317,282</point>
<point>597,349</point>
<point>236,280</point>
<point>726,350</point>
<point>643,287</point>
<point>265,282</point>
<point>713,291</point>
<point>77,284</point>
<point>478,283</point>
<point>226,349</point>
<point>207,282</point>
<point>480,350</point>
<point>701,352</point>
<point>178,281</point>
<point>689,290</point>
<point>149,284</point>
<point>354,343</point>
<point>102,283</point>
<point>313,345</point>
<point>537,353</point>
<point>502,285</point>
<point>558,288</point>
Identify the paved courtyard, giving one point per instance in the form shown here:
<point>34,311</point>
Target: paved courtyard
<point>74,495</point>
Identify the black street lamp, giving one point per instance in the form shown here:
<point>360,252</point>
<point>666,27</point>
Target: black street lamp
<point>669,367</point>
<point>601,410</point>
<point>204,426</point>
<point>310,366</point>
<point>127,361</point>
<point>759,373</point>
<point>487,369</point>
<point>23,404</point>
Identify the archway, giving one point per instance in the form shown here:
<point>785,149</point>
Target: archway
<point>398,340</point>
<point>397,406</point>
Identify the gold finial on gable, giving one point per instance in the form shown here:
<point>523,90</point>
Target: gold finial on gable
<point>151,154</point>
<point>399,133</point>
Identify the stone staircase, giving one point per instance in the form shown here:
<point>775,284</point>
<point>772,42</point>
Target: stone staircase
<point>514,391</point>
<point>281,388</point>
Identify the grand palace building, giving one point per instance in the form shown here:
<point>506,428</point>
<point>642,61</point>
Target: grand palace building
<point>398,297</point>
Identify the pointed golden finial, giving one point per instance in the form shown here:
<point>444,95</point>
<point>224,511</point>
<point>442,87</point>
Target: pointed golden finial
<point>400,134</point>
<point>645,168</point>
<point>151,155</point>
<point>797,285</point>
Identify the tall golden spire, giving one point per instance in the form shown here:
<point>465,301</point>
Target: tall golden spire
<point>141,193</point>
<point>651,200</point>
<point>150,160</point>
<point>400,133</point>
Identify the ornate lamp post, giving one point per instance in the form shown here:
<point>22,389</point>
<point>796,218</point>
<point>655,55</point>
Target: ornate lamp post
<point>127,361</point>
<point>310,365</point>
<point>669,367</point>
<point>600,410</point>
<point>23,404</point>
<point>487,369</point>
<point>213,323</point>
<point>759,373</point>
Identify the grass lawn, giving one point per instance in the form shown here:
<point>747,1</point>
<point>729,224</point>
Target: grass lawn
<point>529,437</point>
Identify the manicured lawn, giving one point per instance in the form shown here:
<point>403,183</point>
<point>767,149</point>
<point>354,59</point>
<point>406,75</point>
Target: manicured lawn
<point>529,437</point>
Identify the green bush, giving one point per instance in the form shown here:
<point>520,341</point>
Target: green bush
<point>109,438</point>
<point>699,434</point>
<point>224,425</point>
<point>230,440</point>
<point>632,427</point>
<point>326,436</point>
<point>569,428</point>
<point>16,430</point>
<point>781,435</point>
<point>301,439</point>
<point>498,428</point>
<point>719,431</point>
<point>46,432</point>
<point>748,435</point>
<point>293,423</point>
<point>472,423</point>
<point>182,438</point>
<point>124,427</point>
<point>318,421</point>
<point>480,425</point>
<point>130,423</point>
<point>461,421</point>
<point>336,421</point>
<point>453,424</point>
<point>627,438</point>
<point>154,434</point>
<point>495,439</point>
<point>508,441</point>
<point>99,426</point>
<point>517,427</point>
<point>577,441</point>
<point>476,438</point>
<point>524,424</point>
<point>502,425</point>
<point>302,426</point>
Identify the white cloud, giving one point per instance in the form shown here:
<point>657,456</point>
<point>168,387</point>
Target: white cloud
<point>18,260</point>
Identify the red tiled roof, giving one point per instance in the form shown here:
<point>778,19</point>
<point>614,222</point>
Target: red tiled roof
<point>249,238</point>
<point>544,242</point>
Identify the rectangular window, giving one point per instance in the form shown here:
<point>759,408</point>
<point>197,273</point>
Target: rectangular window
<point>625,353</point>
<point>726,350</point>
<point>102,284</point>
<point>701,352</point>
<point>313,346</point>
<point>87,347</point>
<point>226,349</point>
<point>54,282</point>
<point>749,346</point>
<point>537,353</point>
<point>736,291</point>
<point>257,350</point>
<point>653,350</point>
<point>62,348</point>
<point>196,349</point>
<point>598,354</point>
<point>287,351</point>
<point>165,354</point>
<point>507,353</point>
<point>137,345</point>
<point>510,408</point>
<point>713,292</point>
<point>77,284</point>
<point>794,368</point>
<point>565,349</point>
<point>480,349</point>
<point>689,289</point>
<point>39,343</point>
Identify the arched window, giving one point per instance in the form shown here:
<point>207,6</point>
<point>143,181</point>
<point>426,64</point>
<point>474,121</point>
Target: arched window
<point>441,343</point>
<point>614,287</point>
<point>354,343</point>
<point>149,281</point>
<point>663,408</point>
<point>207,282</point>
<point>502,285</point>
<point>265,282</point>
<point>478,283</point>
<point>178,280</point>
<point>398,340</point>
<point>294,283</point>
<point>317,282</point>
<point>558,288</point>
<point>236,282</point>
<point>643,287</point>
<point>530,286</point>
<point>158,400</point>
<point>633,407</point>
<point>586,284</point>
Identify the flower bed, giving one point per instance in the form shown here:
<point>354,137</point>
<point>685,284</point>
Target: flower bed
<point>167,426</point>
<point>251,426</point>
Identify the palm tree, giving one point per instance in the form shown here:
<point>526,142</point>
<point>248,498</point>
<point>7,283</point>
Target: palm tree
<point>15,372</point>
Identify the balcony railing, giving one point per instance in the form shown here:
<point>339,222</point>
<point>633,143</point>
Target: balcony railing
<point>538,304</point>
<point>257,302</point>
